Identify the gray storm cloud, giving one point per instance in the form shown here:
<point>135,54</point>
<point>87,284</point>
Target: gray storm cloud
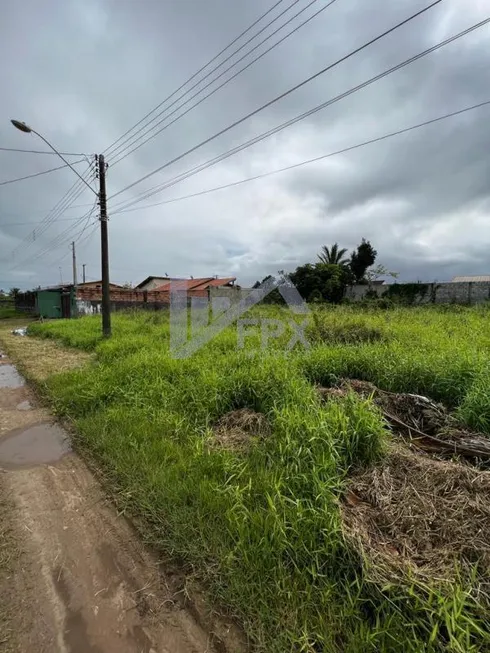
<point>84,73</point>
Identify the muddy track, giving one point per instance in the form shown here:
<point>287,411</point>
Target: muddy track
<point>83,582</point>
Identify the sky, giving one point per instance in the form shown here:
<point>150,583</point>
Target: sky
<point>84,73</point>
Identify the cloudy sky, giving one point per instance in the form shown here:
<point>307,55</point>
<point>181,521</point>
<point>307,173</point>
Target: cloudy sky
<point>83,72</point>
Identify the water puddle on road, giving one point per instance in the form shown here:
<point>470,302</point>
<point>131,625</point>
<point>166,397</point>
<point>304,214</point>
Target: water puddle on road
<point>10,378</point>
<point>37,445</point>
<point>24,405</point>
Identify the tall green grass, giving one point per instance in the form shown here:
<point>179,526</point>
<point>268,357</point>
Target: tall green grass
<point>262,526</point>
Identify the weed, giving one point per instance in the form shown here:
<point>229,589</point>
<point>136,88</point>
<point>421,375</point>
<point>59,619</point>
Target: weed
<point>263,524</point>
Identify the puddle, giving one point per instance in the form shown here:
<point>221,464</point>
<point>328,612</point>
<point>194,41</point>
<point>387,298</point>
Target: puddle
<point>76,630</point>
<point>37,445</point>
<point>24,405</point>
<point>10,378</point>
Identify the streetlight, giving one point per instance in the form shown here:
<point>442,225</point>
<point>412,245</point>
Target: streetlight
<point>102,197</point>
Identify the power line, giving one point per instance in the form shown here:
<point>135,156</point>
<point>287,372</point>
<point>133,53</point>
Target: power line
<point>60,239</point>
<point>70,196</point>
<point>212,60</point>
<point>82,242</point>
<point>276,99</point>
<point>14,149</point>
<point>38,174</point>
<point>215,90</point>
<point>23,224</point>
<point>42,211</point>
<point>253,141</point>
<point>308,161</point>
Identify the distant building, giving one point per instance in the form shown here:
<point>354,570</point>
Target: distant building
<point>97,284</point>
<point>150,283</point>
<point>480,278</point>
<point>203,283</point>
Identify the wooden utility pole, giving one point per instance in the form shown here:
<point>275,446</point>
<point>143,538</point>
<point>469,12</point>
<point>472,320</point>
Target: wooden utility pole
<point>104,248</point>
<point>75,284</point>
<point>83,267</point>
<point>74,257</point>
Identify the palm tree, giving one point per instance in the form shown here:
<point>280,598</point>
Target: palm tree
<point>333,256</point>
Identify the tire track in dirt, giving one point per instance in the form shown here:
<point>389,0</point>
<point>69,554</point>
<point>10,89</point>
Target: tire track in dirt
<point>84,583</point>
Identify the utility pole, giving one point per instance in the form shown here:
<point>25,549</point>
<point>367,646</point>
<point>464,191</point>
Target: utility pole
<point>104,247</point>
<point>83,266</point>
<point>74,257</point>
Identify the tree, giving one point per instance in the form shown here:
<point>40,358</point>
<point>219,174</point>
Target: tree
<point>378,271</point>
<point>13,292</point>
<point>320,282</point>
<point>274,297</point>
<point>333,256</point>
<point>361,259</point>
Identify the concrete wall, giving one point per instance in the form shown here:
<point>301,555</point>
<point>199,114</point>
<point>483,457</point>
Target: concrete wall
<point>358,291</point>
<point>94,307</point>
<point>235,294</point>
<point>473,292</point>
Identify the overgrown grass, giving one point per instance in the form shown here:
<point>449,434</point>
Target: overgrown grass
<point>263,526</point>
<point>8,312</point>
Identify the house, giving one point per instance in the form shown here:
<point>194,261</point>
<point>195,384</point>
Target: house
<point>470,279</point>
<point>54,301</point>
<point>202,283</point>
<point>197,284</point>
<point>150,283</point>
<point>57,301</point>
<point>98,285</point>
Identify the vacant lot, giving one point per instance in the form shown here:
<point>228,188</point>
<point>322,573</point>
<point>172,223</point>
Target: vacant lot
<point>324,514</point>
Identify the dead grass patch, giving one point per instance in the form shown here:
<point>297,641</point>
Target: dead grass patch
<point>427,424</point>
<point>413,513</point>
<point>237,429</point>
<point>39,358</point>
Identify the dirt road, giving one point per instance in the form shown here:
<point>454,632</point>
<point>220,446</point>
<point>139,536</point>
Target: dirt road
<point>82,583</point>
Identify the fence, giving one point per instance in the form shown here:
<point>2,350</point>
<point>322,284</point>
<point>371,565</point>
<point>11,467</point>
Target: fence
<point>459,292</point>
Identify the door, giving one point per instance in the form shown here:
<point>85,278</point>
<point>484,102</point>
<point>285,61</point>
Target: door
<point>65,305</point>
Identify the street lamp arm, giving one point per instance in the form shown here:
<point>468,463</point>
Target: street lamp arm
<point>67,162</point>
<point>29,130</point>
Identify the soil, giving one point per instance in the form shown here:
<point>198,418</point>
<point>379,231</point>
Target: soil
<point>82,582</point>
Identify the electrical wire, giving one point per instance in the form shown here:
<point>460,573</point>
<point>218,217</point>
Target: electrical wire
<point>63,204</point>
<point>38,174</point>
<point>277,98</point>
<point>42,212</point>
<point>236,74</point>
<point>88,221</point>
<point>23,224</point>
<point>198,72</point>
<point>308,161</point>
<point>70,197</point>
<point>80,242</point>
<point>288,123</point>
<point>14,149</point>
<point>89,234</point>
<point>60,239</point>
<point>210,83</point>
